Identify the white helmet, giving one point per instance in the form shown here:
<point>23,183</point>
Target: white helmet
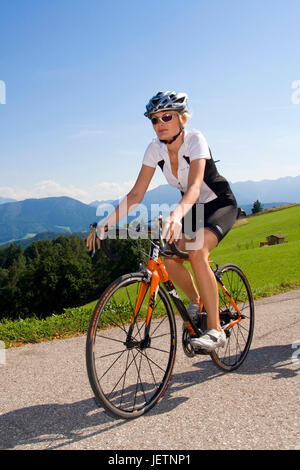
<point>166,101</point>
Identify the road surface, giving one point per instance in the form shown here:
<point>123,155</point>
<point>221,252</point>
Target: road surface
<point>46,401</point>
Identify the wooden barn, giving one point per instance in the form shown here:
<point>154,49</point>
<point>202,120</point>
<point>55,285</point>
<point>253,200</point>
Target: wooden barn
<point>273,240</point>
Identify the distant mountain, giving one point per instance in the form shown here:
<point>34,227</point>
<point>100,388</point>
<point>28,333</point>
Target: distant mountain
<point>24,219</point>
<point>269,192</point>
<point>3,200</point>
<point>283,189</point>
<point>54,214</point>
<point>24,242</point>
<point>163,195</point>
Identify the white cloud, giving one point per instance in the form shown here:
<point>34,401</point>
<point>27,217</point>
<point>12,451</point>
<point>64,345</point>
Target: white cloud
<point>48,188</point>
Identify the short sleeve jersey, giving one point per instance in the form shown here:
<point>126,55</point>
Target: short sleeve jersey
<point>194,147</point>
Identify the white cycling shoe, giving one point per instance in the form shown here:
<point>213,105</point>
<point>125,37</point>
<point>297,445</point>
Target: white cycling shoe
<point>211,340</point>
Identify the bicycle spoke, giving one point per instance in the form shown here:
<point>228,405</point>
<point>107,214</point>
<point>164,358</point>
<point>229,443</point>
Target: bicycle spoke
<point>117,383</point>
<point>112,365</point>
<point>137,383</point>
<point>152,361</point>
<point>151,370</point>
<point>113,322</point>
<point>126,367</point>
<point>108,355</point>
<point>110,339</point>
<point>161,350</point>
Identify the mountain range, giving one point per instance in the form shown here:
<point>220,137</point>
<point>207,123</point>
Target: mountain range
<point>24,219</point>
<point>282,189</point>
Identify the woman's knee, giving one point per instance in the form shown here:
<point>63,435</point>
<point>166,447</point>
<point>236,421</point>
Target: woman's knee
<point>172,263</point>
<point>210,241</point>
<point>201,255</point>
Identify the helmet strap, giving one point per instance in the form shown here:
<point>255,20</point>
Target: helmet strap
<point>173,138</point>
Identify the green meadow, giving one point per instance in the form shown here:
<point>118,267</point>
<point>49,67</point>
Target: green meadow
<point>269,269</point>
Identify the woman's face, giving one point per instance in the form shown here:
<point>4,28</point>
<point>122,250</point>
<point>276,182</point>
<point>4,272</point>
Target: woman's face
<point>166,130</point>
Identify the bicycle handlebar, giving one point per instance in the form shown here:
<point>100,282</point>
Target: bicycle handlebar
<point>168,251</point>
<point>174,250</point>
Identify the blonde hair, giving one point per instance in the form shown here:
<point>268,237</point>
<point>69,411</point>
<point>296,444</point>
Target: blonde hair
<point>183,117</point>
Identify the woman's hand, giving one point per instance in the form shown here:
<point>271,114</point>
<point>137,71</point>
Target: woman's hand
<point>172,229</point>
<point>90,242</point>
<point>93,240</point>
<point>100,231</point>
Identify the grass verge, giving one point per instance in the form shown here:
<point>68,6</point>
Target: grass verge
<point>72,322</point>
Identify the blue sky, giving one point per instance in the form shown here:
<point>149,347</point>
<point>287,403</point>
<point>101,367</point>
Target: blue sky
<point>78,74</point>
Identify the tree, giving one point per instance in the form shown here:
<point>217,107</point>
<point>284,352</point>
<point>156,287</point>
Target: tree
<point>58,275</point>
<point>46,278</point>
<point>257,207</point>
<point>51,275</point>
<point>11,291</point>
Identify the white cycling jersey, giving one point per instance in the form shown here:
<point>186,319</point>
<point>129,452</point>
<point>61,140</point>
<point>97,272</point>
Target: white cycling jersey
<point>194,146</point>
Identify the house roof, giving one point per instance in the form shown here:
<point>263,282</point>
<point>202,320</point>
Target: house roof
<point>278,235</point>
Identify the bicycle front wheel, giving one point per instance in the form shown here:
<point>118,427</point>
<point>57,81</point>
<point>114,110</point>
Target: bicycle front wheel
<point>239,333</point>
<point>129,377</point>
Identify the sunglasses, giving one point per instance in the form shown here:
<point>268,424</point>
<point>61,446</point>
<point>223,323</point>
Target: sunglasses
<point>164,118</point>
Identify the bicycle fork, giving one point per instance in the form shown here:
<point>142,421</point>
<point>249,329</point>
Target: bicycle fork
<point>155,273</point>
<point>151,282</point>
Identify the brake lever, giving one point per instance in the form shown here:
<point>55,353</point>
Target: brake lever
<point>173,248</point>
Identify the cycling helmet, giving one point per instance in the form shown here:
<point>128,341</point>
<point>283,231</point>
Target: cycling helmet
<point>166,101</point>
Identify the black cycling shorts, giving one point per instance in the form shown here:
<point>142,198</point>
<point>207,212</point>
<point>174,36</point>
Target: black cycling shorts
<point>218,216</point>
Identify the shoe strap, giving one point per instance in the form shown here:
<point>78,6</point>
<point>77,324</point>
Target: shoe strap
<point>213,334</point>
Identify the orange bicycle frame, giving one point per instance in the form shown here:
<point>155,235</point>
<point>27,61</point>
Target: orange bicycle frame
<point>156,273</point>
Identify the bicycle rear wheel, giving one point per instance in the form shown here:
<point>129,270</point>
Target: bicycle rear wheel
<point>129,377</point>
<point>239,335</point>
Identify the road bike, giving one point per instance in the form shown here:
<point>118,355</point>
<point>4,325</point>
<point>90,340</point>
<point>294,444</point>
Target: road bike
<point>131,341</point>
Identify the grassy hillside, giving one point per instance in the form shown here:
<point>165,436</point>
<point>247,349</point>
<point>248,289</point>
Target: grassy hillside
<point>270,269</point>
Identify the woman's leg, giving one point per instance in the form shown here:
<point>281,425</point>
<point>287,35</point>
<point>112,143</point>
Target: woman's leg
<point>181,276</point>
<point>205,278</point>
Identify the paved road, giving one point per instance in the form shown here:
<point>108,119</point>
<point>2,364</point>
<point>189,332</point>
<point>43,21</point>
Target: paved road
<point>46,401</point>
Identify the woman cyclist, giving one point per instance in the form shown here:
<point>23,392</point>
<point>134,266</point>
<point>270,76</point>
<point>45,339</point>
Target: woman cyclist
<point>186,161</point>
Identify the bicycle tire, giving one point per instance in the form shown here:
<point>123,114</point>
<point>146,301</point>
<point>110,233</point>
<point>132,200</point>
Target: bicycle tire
<point>239,336</point>
<point>141,374</point>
